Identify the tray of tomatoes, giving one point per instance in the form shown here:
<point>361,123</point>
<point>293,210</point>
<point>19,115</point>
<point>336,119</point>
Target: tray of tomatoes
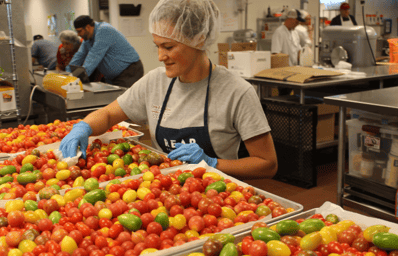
<point>158,213</point>
<point>16,140</point>
<point>323,231</point>
<point>36,172</point>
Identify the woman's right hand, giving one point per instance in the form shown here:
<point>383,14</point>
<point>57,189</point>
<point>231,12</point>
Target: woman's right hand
<point>78,136</point>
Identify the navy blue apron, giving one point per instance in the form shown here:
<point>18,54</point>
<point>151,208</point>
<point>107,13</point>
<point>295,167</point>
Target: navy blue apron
<point>200,135</point>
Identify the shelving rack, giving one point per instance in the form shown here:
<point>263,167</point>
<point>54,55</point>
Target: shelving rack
<point>11,40</point>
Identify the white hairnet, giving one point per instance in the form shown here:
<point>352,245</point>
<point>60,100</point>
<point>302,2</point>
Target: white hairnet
<point>191,22</point>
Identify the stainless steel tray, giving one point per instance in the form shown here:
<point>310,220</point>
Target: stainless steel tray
<point>326,208</point>
<point>237,230</point>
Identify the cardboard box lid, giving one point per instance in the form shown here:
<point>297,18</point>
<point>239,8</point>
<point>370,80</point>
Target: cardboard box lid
<point>297,74</point>
<point>237,47</point>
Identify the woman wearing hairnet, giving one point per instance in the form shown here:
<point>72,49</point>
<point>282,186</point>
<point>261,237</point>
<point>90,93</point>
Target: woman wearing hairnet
<point>195,110</point>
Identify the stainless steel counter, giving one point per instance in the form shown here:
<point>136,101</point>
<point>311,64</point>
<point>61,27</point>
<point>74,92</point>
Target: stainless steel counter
<point>380,73</point>
<point>382,101</point>
<point>95,96</point>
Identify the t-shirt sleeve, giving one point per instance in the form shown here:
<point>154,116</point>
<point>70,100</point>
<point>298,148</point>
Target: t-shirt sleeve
<point>133,101</point>
<point>276,42</point>
<point>250,120</point>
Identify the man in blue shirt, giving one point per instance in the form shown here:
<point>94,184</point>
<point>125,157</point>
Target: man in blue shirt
<point>44,52</point>
<point>106,49</point>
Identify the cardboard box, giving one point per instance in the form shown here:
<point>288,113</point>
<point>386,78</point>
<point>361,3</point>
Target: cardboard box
<point>7,100</point>
<point>326,118</point>
<point>224,48</point>
<point>279,60</point>
<point>297,74</point>
<point>249,63</point>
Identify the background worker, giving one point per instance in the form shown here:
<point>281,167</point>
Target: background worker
<point>304,30</point>
<point>70,43</point>
<point>107,49</point>
<point>286,40</point>
<point>195,110</point>
<point>44,52</point>
<point>344,18</point>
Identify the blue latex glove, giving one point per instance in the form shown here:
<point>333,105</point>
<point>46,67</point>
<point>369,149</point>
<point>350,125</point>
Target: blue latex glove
<point>191,153</point>
<point>77,137</point>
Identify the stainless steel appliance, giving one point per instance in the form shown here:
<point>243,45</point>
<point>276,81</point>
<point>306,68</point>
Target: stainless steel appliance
<point>348,44</point>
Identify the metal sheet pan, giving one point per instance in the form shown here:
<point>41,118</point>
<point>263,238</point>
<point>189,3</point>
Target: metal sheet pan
<point>187,247</point>
<point>325,209</point>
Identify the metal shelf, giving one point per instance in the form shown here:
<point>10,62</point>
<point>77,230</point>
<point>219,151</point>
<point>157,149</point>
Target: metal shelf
<point>370,208</point>
<point>327,144</point>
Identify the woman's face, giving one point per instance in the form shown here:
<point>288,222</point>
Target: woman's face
<point>67,46</point>
<point>179,59</point>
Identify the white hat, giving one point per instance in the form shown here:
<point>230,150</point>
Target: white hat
<point>295,14</point>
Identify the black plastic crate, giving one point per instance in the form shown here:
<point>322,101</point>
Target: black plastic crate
<point>293,129</point>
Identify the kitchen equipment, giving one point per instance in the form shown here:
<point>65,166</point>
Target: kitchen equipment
<point>244,35</point>
<point>352,40</point>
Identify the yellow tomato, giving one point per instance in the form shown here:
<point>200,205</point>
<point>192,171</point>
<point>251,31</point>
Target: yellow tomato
<point>227,212</point>
<point>29,159</point>
<point>31,217</point>
<point>63,174</point>
<point>105,213</point>
<point>114,196</point>
<point>14,205</point>
<point>109,169</point>
<point>145,184</point>
<point>73,194</point>
<point>62,165</point>
<point>191,233</point>
<point>179,221</point>
<point>278,248</point>
<point>118,163</point>
<point>42,214</point>
<point>68,245</point>
<point>346,223</point>
<point>213,175</point>
<point>51,161</point>
<point>231,187</point>
<point>15,252</point>
<point>26,246</point>
<point>79,182</point>
<point>148,176</point>
<point>52,181</point>
<point>60,200</point>
<point>149,250</point>
<point>129,196</point>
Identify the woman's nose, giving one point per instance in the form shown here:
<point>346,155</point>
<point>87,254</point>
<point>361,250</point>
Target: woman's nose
<point>161,54</point>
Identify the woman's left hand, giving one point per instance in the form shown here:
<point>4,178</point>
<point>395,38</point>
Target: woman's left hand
<point>191,153</point>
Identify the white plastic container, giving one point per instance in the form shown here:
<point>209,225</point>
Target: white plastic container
<point>376,142</point>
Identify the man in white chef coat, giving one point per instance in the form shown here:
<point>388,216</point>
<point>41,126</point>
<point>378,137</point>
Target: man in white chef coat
<point>286,40</point>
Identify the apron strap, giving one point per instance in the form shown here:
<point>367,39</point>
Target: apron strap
<point>166,99</point>
<point>205,115</point>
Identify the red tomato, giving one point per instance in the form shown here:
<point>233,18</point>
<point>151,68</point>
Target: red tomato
<point>258,248</point>
<point>335,247</point>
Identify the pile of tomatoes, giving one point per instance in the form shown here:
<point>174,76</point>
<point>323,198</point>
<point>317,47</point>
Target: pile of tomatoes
<point>316,236</point>
<point>100,164</point>
<point>132,217</point>
<point>29,137</point>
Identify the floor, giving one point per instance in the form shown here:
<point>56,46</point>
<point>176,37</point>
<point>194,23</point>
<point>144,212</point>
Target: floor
<point>326,189</point>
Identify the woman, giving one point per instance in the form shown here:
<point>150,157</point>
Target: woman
<point>190,100</point>
<point>70,45</point>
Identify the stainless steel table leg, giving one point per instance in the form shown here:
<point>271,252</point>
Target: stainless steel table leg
<point>381,83</point>
<point>302,100</point>
<point>341,156</point>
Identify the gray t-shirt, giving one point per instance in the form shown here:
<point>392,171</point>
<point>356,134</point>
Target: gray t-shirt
<point>235,112</point>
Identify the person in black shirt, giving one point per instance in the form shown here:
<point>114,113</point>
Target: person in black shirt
<point>344,19</point>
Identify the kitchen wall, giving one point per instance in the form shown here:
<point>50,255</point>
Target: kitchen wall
<point>146,48</point>
<point>389,9</point>
<point>36,12</point>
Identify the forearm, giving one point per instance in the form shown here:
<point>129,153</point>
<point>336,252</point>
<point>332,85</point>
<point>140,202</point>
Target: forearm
<point>248,168</point>
<point>103,119</point>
